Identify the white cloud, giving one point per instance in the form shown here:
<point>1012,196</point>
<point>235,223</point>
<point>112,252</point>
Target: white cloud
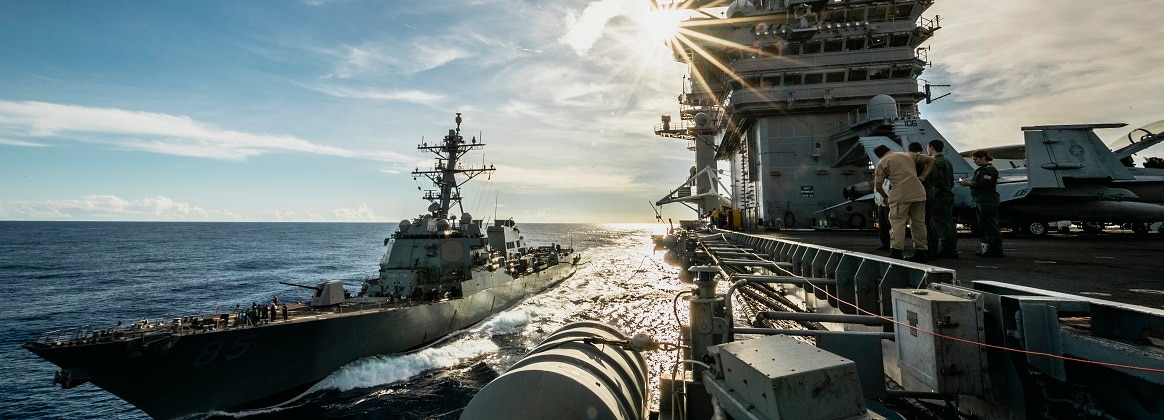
<point>585,29</point>
<point>162,208</point>
<point>413,96</point>
<point>291,216</point>
<point>572,178</point>
<point>1034,63</point>
<point>359,214</point>
<point>110,207</point>
<point>394,56</point>
<point>158,133</point>
<point>19,143</point>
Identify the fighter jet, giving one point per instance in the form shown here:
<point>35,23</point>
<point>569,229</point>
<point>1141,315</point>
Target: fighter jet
<point>1070,174</point>
<point>1073,175</point>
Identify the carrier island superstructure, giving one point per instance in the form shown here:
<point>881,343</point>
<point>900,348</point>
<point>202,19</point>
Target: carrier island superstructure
<point>793,94</point>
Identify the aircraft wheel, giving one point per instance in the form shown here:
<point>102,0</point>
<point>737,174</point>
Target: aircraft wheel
<point>1140,228</point>
<point>1036,228</point>
<point>856,221</point>
<point>1092,227</point>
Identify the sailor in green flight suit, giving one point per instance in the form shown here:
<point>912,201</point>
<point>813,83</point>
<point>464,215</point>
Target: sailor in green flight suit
<point>982,189</point>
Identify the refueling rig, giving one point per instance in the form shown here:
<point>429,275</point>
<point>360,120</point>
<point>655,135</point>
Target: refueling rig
<point>781,329</point>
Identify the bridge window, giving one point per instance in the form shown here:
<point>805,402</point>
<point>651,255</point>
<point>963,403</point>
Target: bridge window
<point>835,77</point>
<point>856,43</point>
<point>792,79</point>
<point>879,74</point>
<point>834,45</point>
<point>902,72</point>
<point>856,75</point>
<point>899,40</point>
<point>814,78</point>
<point>902,11</point>
<point>793,48</point>
<point>833,15</point>
<point>812,47</point>
<point>878,41</point>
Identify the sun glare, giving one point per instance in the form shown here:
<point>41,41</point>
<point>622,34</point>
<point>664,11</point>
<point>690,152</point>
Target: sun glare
<point>662,24</point>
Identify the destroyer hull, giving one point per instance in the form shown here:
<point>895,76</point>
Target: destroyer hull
<point>187,374</point>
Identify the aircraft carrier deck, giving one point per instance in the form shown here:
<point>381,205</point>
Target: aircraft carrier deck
<point>1115,265</point>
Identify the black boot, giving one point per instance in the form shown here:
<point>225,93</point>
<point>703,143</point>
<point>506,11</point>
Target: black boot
<point>896,253</point>
<point>919,256</point>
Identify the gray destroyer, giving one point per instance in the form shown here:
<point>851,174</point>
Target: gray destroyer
<point>438,275</point>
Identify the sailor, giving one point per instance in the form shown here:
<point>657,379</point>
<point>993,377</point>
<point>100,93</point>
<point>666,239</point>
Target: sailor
<point>917,151</point>
<point>982,189</point>
<point>942,219</point>
<point>882,217</point>
<point>284,311</point>
<point>908,202</point>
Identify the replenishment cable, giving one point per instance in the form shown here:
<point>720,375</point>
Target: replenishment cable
<point>961,340</point>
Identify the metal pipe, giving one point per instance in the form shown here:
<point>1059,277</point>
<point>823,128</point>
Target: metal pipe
<point>760,278</point>
<point>924,395</point>
<point>757,263</point>
<point>811,333</point>
<point>815,317</point>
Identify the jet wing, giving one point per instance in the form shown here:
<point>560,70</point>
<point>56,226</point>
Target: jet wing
<point>1014,151</point>
<point>862,151</point>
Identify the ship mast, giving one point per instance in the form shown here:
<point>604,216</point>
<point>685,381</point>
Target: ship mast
<point>444,173</point>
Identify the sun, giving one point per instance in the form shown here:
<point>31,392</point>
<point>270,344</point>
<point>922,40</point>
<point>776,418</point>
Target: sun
<point>662,24</point>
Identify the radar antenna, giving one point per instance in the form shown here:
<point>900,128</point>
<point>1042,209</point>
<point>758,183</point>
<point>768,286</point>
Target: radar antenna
<point>444,173</point>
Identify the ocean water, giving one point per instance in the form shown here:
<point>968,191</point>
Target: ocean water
<point>63,274</point>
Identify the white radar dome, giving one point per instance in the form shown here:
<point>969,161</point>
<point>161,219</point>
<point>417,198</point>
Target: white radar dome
<point>736,9</point>
<point>405,224</point>
<point>701,119</point>
<point>882,106</point>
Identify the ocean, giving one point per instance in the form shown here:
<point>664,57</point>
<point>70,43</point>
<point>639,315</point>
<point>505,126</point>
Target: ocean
<point>55,275</point>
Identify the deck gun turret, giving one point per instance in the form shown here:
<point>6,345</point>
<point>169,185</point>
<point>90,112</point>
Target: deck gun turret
<point>328,293</point>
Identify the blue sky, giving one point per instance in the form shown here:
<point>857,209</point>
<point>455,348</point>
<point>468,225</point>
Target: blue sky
<point>312,110</point>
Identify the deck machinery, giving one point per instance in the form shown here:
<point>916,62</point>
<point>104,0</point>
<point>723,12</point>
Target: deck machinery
<point>810,332</point>
<point>789,93</point>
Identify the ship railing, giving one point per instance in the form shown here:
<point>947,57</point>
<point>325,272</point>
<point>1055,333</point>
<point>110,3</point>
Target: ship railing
<point>929,25</point>
<point>86,335</point>
<point>820,276</point>
<point>65,335</point>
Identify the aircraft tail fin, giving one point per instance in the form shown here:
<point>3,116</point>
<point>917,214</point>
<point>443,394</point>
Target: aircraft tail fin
<point>1059,152</point>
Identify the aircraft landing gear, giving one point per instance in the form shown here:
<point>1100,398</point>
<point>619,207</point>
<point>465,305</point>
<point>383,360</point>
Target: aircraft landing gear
<point>1034,228</point>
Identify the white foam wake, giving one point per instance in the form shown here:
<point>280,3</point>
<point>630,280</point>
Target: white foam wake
<point>382,370</point>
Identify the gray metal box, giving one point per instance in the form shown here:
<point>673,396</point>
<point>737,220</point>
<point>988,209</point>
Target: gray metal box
<point>929,362</point>
<point>785,378</point>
